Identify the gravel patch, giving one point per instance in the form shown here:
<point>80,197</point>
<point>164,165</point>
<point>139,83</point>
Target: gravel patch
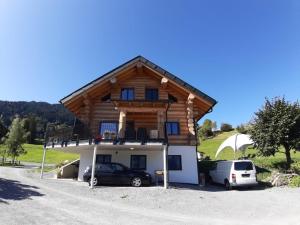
<point>25,199</point>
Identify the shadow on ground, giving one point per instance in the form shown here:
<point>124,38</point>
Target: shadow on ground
<point>14,190</point>
<point>217,187</point>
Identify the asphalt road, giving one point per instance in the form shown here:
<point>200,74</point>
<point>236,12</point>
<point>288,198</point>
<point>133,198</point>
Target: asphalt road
<point>25,199</point>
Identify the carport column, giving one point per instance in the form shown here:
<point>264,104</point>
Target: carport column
<point>165,155</point>
<point>93,165</point>
<point>43,162</point>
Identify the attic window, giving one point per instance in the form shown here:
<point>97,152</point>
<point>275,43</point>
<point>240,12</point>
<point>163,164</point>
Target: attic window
<point>172,98</point>
<point>106,98</point>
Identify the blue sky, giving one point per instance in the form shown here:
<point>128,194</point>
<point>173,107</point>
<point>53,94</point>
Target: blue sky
<point>238,52</point>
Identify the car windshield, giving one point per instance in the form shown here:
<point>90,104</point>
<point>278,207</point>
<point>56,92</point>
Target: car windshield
<point>243,166</point>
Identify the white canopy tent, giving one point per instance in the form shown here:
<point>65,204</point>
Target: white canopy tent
<point>238,142</point>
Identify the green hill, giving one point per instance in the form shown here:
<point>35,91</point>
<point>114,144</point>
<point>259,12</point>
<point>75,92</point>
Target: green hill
<point>209,147</point>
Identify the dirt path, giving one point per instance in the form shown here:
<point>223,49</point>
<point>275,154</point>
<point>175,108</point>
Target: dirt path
<point>24,199</point>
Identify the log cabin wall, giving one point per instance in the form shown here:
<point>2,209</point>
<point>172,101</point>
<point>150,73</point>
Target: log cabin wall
<point>105,111</point>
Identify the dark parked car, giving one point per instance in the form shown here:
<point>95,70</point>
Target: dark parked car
<point>116,173</point>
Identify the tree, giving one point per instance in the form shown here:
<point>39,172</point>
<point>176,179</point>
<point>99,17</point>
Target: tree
<point>205,130</point>
<point>214,126</point>
<point>243,129</point>
<point>225,127</point>
<point>3,131</point>
<point>15,138</point>
<point>30,126</point>
<point>277,124</point>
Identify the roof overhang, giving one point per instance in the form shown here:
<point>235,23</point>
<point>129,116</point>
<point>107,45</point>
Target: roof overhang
<point>156,69</point>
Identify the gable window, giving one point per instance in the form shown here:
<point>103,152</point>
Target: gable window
<point>108,130</point>
<point>172,128</point>
<point>103,158</point>
<point>138,162</point>
<point>151,94</point>
<point>127,94</point>
<point>172,98</point>
<point>174,162</point>
<point>106,98</point>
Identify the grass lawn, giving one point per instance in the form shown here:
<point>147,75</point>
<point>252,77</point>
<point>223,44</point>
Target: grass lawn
<point>209,148</point>
<point>35,154</point>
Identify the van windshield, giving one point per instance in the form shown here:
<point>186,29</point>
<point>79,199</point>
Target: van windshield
<point>243,166</point>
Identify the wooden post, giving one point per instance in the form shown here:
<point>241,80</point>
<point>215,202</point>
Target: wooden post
<point>93,166</point>
<point>165,155</point>
<point>122,124</point>
<point>160,124</point>
<point>43,162</point>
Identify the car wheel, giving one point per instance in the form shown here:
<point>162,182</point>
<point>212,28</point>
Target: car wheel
<point>95,181</point>
<point>136,182</point>
<point>227,185</point>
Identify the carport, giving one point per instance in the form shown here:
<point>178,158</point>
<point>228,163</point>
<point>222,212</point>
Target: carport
<point>156,154</point>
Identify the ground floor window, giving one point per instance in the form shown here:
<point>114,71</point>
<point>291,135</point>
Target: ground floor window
<point>174,162</point>
<point>103,158</point>
<point>138,162</point>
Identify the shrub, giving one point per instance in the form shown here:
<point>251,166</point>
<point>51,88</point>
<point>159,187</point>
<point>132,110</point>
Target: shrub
<point>242,129</point>
<point>295,182</point>
<point>225,127</point>
<point>204,166</point>
<point>295,167</point>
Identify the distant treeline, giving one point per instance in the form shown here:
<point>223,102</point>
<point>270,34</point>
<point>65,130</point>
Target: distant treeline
<point>38,114</point>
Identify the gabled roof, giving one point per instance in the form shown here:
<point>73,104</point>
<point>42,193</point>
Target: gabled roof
<point>149,64</point>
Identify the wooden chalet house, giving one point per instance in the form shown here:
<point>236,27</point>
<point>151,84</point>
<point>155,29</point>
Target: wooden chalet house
<point>139,115</point>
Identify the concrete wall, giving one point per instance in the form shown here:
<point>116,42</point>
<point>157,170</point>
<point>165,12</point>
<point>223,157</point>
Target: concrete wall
<point>189,172</point>
<point>154,159</point>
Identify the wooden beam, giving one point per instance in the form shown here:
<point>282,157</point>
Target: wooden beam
<point>122,123</point>
<point>139,67</point>
<point>113,80</point>
<point>190,114</point>
<point>164,82</point>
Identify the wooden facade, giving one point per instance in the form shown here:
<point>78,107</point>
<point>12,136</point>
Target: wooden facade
<point>185,107</point>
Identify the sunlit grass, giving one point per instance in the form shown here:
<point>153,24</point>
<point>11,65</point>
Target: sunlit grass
<point>35,154</point>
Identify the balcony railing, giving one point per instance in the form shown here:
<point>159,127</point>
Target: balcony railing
<point>109,133</point>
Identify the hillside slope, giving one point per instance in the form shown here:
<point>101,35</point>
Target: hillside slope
<point>209,148</point>
<point>47,112</point>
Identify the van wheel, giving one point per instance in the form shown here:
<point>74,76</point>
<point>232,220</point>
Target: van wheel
<point>95,181</point>
<point>227,185</point>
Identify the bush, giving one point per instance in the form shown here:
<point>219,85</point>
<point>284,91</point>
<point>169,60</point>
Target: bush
<point>204,166</point>
<point>241,129</point>
<point>295,167</point>
<point>225,127</point>
<point>295,182</point>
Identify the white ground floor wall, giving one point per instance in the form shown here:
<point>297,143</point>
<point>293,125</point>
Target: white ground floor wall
<point>188,174</point>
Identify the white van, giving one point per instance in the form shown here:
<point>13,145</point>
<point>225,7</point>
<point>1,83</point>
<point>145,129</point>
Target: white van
<point>234,173</point>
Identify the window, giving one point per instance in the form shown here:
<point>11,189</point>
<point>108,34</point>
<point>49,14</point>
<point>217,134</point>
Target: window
<point>174,162</point>
<point>104,168</point>
<point>172,128</point>
<point>243,166</point>
<point>127,94</point>
<point>103,158</point>
<point>108,130</point>
<point>106,98</point>
<point>138,162</point>
<point>117,167</point>
<point>172,98</point>
<point>151,94</point>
